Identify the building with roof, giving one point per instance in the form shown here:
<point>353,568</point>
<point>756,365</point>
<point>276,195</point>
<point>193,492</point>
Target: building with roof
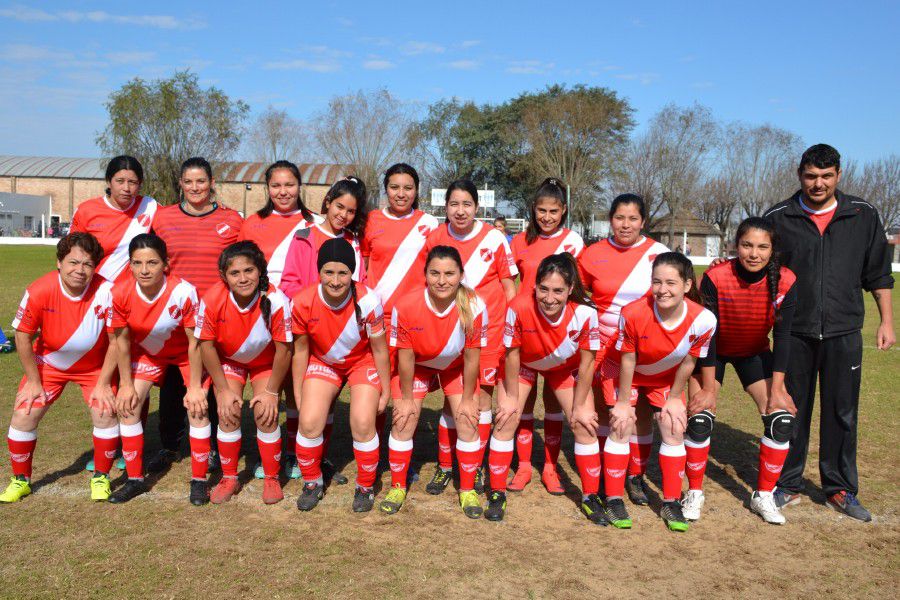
<point>69,181</point>
<point>693,236</point>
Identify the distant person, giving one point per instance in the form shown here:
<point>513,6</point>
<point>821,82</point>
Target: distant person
<point>836,245</point>
<point>500,225</point>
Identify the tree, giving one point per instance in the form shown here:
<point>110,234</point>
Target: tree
<point>165,121</point>
<point>275,135</point>
<point>716,202</point>
<point>369,131</point>
<point>877,182</point>
<point>638,174</point>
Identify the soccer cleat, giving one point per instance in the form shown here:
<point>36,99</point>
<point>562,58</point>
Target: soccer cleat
<point>100,491</point>
<point>439,481</point>
<point>258,472</point>
<point>496,508</point>
<point>291,468</point>
<point>330,473</point>
<point>673,516</point>
<point>119,464</point>
<point>637,490</point>
<point>310,496</point>
<point>471,504</point>
<point>479,481</point>
<point>521,479</point>
<point>394,500</point>
<point>363,500</point>
<point>783,498</point>
<point>692,504</point>
<point>593,510</point>
<point>617,514</point>
<point>132,489</point>
<point>162,461</point>
<point>847,503</point>
<point>763,504</point>
<point>224,490</point>
<point>272,493</point>
<point>550,479</point>
<point>199,492</point>
<point>17,489</point>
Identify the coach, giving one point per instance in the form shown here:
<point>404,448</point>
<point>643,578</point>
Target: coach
<point>836,245</point>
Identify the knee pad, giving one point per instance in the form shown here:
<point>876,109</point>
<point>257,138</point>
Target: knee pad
<point>700,426</point>
<point>778,426</point>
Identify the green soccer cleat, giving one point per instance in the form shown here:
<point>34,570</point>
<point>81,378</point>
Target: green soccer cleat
<point>673,516</point>
<point>100,490</point>
<point>471,504</point>
<point>17,489</point>
<point>617,514</point>
<point>593,510</point>
<point>394,500</point>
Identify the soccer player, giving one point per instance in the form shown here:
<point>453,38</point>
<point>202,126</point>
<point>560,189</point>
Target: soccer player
<point>552,331</point>
<point>660,338</point>
<point>438,333</point>
<point>116,217</point>
<point>68,307</point>
<point>490,271</point>
<point>195,231</point>
<point>244,328</point>
<point>153,318</point>
<point>750,296</point>
<point>339,340</point>
<point>544,236</point>
<point>616,272</point>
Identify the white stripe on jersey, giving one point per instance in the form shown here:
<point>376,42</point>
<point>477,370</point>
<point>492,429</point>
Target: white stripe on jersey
<point>705,322</point>
<point>279,301</point>
<point>350,335</point>
<point>85,337</point>
<point>477,267</point>
<point>118,258</point>
<point>571,239</point>
<point>21,311</point>
<point>257,340</point>
<point>279,255</point>
<point>635,286</point>
<point>568,347</point>
<point>403,259</point>
<point>166,323</point>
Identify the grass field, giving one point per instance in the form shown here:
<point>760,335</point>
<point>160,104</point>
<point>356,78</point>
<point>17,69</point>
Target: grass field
<point>57,543</point>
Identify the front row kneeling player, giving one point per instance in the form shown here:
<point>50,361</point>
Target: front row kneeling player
<point>153,318</point>
<point>553,332</point>
<point>244,328</point>
<point>69,308</point>
<point>438,332</point>
<point>659,339</point>
<point>339,340</point>
<point>750,295</point>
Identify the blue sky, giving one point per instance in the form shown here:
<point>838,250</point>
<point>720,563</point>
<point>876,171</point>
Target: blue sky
<point>828,71</point>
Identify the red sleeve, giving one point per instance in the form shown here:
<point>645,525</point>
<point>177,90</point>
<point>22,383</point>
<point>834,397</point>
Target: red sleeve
<point>280,324</point>
<point>76,224</point>
<point>505,262</point>
<point>399,332</point>
<point>365,247</point>
<point>206,323</point>
<point>189,310</point>
<point>119,312</point>
<point>298,319</point>
<point>700,346</point>
<point>29,315</point>
<point>477,338</point>
<point>375,321</point>
<point>512,331</point>
<point>587,280</point>
<point>590,333</point>
<point>627,341</point>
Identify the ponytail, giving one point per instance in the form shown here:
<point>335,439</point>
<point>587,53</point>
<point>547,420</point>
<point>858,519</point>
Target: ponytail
<point>564,264</point>
<point>356,308</point>
<point>464,295</point>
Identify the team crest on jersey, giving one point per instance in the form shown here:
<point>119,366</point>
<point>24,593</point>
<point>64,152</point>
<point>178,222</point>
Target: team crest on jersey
<point>144,220</point>
<point>489,375</point>
<point>222,229</point>
<point>486,254</point>
<point>175,312</point>
<point>100,311</point>
<point>569,249</point>
<point>692,338</point>
<point>372,375</point>
<point>424,230</point>
<point>574,335</point>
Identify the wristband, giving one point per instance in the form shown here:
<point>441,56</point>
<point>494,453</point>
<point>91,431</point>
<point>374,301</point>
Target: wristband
<point>271,393</point>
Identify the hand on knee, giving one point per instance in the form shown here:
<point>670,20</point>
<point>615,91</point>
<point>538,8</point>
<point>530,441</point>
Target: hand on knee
<point>778,426</point>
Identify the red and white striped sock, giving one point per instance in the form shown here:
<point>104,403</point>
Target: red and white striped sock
<point>696,456</point>
<point>366,454</point>
<point>467,455</point>
<point>200,445</point>
<point>499,459</point>
<point>641,445</point>
<point>771,460</point>
<point>399,456</point>
<point>229,443</point>
<point>21,446</point>
<point>106,442</point>
<point>587,460</point>
<point>553,426</point>
<point>309,457</point>
<point>671,463</point>
<point>133,449</point>
<point>291,424</point>
<point>269,444</point>
<point>615,462</point>
<point>525,438</point>
<point>446,435</point>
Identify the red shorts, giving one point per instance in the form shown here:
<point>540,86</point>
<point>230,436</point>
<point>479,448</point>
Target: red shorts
<point>489,366</point>
<point>54,382</point>
<point>239,372</point>
<point>427,380</point>
<point>363,373</point>
<point>153,369</point>
<point>655,395</point>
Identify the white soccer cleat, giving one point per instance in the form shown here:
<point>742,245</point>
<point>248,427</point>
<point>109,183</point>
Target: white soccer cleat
<point>763,504</point>
<point>692,504</point>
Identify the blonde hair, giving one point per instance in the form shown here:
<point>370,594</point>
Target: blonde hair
<point>464,295</point>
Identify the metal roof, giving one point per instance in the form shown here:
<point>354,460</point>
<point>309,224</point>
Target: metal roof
<point>94,168</point>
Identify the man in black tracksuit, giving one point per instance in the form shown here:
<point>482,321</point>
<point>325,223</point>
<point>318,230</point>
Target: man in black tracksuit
<point>837,247</point>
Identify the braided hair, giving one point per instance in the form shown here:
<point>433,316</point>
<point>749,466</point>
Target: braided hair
<point>251,252</point>
<point>773,269</point>
<point>564,264</point>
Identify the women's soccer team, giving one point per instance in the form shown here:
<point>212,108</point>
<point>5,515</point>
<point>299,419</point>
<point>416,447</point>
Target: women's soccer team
<point>393,305</point>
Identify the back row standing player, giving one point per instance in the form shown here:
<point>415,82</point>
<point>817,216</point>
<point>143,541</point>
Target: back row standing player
<point>544,236</point>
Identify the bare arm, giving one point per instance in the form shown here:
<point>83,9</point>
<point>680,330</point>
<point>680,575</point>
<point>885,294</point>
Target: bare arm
<point>885,336</point>
<point>34,387</point>
<point>509,288</point>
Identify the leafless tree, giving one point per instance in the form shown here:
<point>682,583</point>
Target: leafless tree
<point>716,202</point>
<point>275,135</point>
<point>638,174</point>
<point>877,182</point>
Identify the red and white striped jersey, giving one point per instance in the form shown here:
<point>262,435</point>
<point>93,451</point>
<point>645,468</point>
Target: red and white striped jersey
<point>486,260</point>
<point>73,329</point>
<point>660,350</point>
<point>544,344</point>
<point>156,324</point>
<point>114,228</point>
<point>436,338</point>
<point>617,275</point>
<point>395,249</point>
<point>335,336</point>
<point>529,256</point>
<point>318,236</point>
<point>273,235</point>
<point>242,335</point>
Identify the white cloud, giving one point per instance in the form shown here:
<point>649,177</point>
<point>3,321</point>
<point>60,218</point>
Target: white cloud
<point>470,43</point>
<point>27,14</point>
<point>122,58</point>
<point>464,65</point>
<point>317,66</point>
<point>378,65</point>
<point>529,67</point>
<point>414,48</point>
<point>345,22</point>
<point>27,52</point>
<point>642,78</point>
